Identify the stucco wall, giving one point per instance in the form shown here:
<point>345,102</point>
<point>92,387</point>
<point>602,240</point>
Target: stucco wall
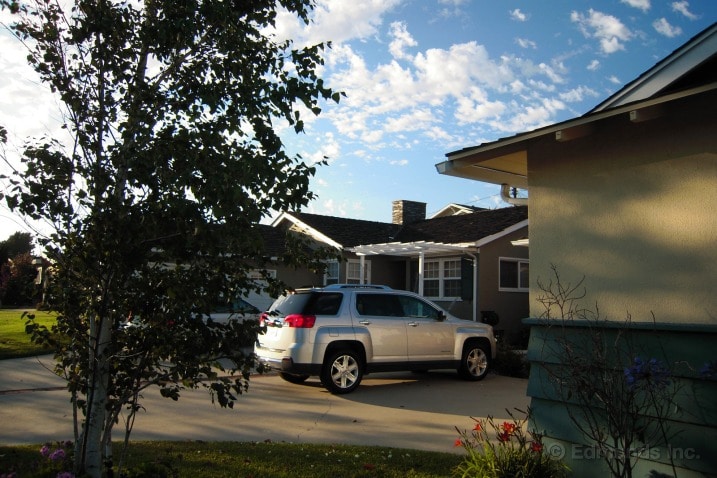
<point>633,208</point>
<point>511,307</point>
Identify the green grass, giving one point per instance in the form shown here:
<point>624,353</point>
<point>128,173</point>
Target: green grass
<point>266,460</point>
<point>14,342</point>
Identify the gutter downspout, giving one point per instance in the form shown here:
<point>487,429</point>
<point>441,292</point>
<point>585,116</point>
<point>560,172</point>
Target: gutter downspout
<point>505,196</point>
<point>475,285</point>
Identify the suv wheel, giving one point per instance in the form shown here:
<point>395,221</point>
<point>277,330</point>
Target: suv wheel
<point>342,372</point>
<point>291,378</point>
<point>474,362</point>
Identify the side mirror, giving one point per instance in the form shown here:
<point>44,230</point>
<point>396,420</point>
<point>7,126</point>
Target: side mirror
<point>441,316</point>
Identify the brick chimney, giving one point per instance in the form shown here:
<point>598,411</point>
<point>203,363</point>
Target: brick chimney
<point>406,212</point>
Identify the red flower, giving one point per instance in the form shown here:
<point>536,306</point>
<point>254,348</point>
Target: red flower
<point>505,436</point>
<point>369,466</point>
<point>535,446</point>
<point>508,427</point>
<point>478,427</point>
<point>458,442</point>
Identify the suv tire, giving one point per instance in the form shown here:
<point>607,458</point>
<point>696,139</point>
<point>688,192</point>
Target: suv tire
<point>474,361</point>
<point>292,378</point>
<point>342,372</point>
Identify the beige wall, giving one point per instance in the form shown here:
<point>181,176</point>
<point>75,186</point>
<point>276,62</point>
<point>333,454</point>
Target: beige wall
<point>511,307</point>
<point>633,208</point>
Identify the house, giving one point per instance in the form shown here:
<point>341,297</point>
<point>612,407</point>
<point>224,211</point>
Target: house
<point>624,196</point>
<point>463,259</point>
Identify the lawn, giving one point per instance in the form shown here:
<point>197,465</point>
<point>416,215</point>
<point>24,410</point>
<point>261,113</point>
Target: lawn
<point>14,342</point>
<point>264,459</point>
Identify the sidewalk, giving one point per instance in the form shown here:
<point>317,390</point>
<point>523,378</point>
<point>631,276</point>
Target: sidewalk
<point>403,410</point>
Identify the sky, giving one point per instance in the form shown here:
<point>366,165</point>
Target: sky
<point>424,78</point>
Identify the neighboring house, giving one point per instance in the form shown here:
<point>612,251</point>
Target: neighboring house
<point>464,259</point>
<point>625,196</point>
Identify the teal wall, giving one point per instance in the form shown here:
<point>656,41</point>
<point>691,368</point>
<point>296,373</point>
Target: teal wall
<point>692,418</point>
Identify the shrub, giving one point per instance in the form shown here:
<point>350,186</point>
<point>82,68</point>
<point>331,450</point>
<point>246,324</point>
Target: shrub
<point>510,362</point>
<point>510,453</point>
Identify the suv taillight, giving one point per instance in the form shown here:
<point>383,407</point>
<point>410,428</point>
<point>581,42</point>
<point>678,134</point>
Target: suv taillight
<point>262,319</point>
<point>300,321</point>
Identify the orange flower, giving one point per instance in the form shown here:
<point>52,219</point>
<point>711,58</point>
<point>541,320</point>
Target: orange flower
<point>478,427</point>
<point>458,442</point>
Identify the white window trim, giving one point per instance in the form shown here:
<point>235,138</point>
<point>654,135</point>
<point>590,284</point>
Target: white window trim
<point>367,271</point>
<point>441,278</point>
<point>338,272</point>
<point>517,261</point>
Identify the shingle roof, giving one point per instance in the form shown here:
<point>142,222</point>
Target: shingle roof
<point>274,240</point>
<point>465,227</point>
<point>449,230</point>
<point>350,232</point>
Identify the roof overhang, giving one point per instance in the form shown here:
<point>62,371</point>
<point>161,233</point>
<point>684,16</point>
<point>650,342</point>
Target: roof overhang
<point>690,55</point>
<point>303,228</point>
<point>506,161</point>
<point>412,249</point>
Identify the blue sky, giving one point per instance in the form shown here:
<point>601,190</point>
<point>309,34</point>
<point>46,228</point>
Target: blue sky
<point>427,77</point>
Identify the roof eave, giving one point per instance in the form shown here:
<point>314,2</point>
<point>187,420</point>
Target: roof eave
<point>466,163</point>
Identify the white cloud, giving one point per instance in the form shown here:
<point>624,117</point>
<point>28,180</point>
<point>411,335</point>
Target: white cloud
<point>525,43</point>
<point>437,133</point>
<point>607,29</point>
<point>614,80</point>
<point>337,21</point>
<point>399,162</point>
<point>518,15</point>
<point>453,9</point>
<point>578,94</point>
<point>528,117</point>
<point>477,107</point>
<point>684,8</point>
<point>643,5</point>
<point>329,150</point>
<point>663,27</point>
<point>594,65</point>
<point>414,120</point>
<point>401,40</point>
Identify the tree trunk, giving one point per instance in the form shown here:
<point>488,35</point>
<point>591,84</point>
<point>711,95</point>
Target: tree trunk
<point>92,442</point>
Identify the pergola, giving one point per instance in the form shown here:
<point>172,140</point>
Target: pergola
<point>420,249</point>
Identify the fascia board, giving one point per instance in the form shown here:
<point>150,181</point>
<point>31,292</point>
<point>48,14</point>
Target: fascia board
<point>306,229</point>
<point>515,227</point>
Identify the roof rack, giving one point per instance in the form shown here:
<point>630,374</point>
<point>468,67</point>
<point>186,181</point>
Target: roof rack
<point>356,286</point>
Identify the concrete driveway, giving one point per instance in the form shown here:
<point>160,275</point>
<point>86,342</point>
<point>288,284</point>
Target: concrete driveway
<point>402,410</point>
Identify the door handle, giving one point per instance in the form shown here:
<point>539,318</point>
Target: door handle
<point>413,324</point>
<point>364,322</point>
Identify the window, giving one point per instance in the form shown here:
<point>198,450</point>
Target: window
<point>413,307</point>
<point>442,278</point>
<point>353,272</point>
<point>514,274</point>
<point>378,305</point>
<point>331,276</point>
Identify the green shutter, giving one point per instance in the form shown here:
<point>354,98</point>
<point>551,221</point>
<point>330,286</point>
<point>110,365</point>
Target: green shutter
<point>467,279</point>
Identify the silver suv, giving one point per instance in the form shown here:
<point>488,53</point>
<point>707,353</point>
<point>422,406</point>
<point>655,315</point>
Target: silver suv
<point>342,332</point>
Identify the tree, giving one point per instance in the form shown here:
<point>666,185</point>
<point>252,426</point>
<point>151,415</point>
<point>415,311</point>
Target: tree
<point>18,243</point>
<point>17,271</point>
<point>171,106</point>
<point>17,281</point>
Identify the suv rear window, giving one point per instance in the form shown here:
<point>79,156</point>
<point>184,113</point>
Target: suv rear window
<point>309,303</point>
